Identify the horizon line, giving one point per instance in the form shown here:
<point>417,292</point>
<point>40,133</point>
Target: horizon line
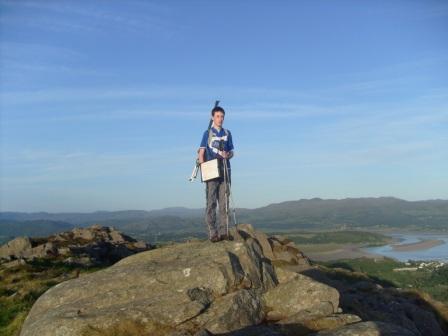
<point>183,207</point>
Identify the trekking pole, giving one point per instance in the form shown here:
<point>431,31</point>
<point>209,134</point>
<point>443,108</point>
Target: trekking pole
<point>232,206</point>
<point>226,181</point>
<point>194,174</point>
<point>229,192</point>
<point>224,170</point>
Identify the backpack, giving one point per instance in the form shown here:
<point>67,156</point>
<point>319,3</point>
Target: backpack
<point>210,134</point>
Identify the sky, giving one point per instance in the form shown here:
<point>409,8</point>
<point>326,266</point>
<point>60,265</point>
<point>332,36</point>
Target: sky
<point>103,103</point>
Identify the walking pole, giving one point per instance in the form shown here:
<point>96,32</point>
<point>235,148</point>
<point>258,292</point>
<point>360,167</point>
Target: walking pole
<point>229,189</point>
<point>224,170</point>
<point>233,204</point>
<point>226,181</point>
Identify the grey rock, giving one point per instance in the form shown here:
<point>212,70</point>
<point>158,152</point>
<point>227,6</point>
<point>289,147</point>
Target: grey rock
<point>15,248</point>
<point>389,306</point>
<point>319,310</point>
<point>257,330</point>
<point>203,332</point>
<point>101,244</point>
<point>232,312</point>
<point>369,328</point>
<point>285,275</point>
<point>298,294</point>
<point>246,230</point>
<point>216,286</point>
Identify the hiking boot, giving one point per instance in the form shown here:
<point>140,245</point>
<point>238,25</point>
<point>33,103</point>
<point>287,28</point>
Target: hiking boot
<point>214,239</point>
<point>225,237</point>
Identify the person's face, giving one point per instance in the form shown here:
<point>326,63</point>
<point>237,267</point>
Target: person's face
<point>218,118</point>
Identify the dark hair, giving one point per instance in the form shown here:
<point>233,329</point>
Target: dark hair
<point>218,109</point>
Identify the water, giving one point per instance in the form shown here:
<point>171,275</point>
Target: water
<point>439,252</point>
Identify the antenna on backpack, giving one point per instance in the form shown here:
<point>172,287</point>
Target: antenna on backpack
<point>211,119</point>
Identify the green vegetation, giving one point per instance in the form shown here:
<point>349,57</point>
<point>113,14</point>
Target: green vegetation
<point>337,237</point>
<point>334,238</point>
<point>163,238</point>
<point>429,279</point>
<point>22,284</point>
<point>351,213</point>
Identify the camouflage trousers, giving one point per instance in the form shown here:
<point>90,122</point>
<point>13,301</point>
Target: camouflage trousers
<point>215,191</point>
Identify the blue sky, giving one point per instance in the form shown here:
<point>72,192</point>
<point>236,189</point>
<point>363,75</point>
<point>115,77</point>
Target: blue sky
<point>103,103</point>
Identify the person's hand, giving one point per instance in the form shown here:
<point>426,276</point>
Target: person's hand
<point>224,154</point>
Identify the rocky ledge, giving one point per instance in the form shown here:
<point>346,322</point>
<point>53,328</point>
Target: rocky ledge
<point>251,285</point>
<point>95,245</point>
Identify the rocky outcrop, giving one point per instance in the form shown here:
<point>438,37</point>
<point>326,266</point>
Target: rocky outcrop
<point>373,302</point>
<point>16,248</point>
<point>279,249</point>
<point>198,285</point>
<point>185,286</point>
<point>88,246</point>
<point>393,306</point>
<point>369,328</point>
<point>203,288</point>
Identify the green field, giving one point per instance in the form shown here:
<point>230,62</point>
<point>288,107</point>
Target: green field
<point>431,280</point>
<point>21,285</point>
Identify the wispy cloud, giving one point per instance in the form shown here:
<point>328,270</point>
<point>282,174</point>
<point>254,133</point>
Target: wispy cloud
<point>27,50</point>
<point>31,64</point>
<point>424,10</point>
<point>389,80</point>
<point>54,166</point>
<point>96,17</point>
<point>27,70</point>
<point>407,134</point>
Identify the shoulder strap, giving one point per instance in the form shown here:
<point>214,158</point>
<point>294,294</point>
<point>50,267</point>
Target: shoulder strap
<point>210,135</point>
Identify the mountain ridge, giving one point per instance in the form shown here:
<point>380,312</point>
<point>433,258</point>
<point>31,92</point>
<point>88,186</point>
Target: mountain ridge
<point>365,213</point>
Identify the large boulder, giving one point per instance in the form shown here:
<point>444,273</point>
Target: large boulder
<point>299,294</point>
<point>186,286</point>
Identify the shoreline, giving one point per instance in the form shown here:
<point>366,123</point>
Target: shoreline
<point>328,252</point>
<point>418,246</point>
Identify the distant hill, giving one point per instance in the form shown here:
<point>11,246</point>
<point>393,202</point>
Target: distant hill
<point>352,213</point>
<point>306,214</point>
<point>10,228</point>
<point>84,219</point>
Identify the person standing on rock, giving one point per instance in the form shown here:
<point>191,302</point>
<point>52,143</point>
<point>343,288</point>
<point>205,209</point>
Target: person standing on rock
<point>217,144</point>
